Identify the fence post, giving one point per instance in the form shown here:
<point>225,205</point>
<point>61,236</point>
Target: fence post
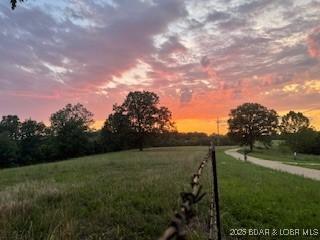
<point>215,189</point>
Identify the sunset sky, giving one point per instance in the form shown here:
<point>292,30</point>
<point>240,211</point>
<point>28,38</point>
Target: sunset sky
<point>201,57</point>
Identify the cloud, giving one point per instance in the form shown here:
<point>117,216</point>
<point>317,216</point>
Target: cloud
<point>205,62</point>
<point>314,43</point>
<point>87,55</point>
<point>234,23</point>
<point>171,46</point>
<point>215,16</point>
<point>185,95</point>
<point>256,7</point>
<point>199,56</point>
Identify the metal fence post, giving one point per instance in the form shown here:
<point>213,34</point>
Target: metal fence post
<point>215,189</point>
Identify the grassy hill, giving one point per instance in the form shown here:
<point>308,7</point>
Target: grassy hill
<point>132,195</point>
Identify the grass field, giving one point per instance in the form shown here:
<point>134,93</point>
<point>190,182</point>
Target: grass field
<point>274,154</point>
<point>278,152</point>
<point>132,195</point>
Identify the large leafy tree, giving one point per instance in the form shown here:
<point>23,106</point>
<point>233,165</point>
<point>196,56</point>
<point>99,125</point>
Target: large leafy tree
<point>116,133</point>
<point>11,125</point>
<point>32,134</point>
<point>140,114</point>
<point>305,140</point>
<point>250,122</point>
<point>70,127</point>
<point>293,122</point>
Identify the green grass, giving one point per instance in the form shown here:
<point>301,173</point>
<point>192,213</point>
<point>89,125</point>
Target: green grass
<point>278,152</point>
<point>276,155</point>
<point>132,195</point>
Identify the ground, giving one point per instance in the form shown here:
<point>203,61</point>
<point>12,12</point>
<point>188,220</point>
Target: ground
<point>132,195</point>
<point>306,165</point>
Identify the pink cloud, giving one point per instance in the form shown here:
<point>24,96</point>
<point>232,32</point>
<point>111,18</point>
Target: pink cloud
<point>314,43</point>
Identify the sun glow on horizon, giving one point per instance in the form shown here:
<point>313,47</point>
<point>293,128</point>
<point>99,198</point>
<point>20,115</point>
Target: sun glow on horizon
<point>210,126</point>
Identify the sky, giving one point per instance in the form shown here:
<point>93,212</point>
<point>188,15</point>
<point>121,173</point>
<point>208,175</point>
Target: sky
<point>202,57</point>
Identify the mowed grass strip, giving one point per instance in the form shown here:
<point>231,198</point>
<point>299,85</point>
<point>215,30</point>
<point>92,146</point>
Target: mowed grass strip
<point>276,154</point>
<point>280,152</point>
<point>133,195</point>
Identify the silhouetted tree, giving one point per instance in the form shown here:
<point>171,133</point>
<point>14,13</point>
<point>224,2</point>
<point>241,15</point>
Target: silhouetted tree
<point>32,135</point>
<point>8,150</point>
<point>145,116</point>
<point>293,122</point>
<point>70,126</point>
<point>141,115</point>
<point>250,122</point>
<point>117,133</point>
<point>305,140</point>
<point>10,124</point>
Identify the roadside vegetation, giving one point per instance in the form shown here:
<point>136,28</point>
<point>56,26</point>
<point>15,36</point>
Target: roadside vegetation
<point>280,151</point>
<point>284,154</point>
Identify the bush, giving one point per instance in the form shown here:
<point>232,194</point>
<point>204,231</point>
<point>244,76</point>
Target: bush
<point>305,140</point>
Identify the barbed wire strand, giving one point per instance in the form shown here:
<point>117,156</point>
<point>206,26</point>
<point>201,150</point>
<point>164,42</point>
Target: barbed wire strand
<point>181,219</point>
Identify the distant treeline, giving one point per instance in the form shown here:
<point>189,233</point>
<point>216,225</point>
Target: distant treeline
<point>30,142</point>
<point>190,139</point>
<point>139,122</point>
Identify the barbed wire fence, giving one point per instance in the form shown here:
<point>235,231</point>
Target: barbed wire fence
<point>178,224</point>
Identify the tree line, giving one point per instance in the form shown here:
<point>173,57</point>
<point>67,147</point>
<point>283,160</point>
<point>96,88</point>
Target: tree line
<point>140,122</point>
<point>137,123</point>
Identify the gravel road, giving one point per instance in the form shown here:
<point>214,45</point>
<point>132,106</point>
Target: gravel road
<point>305,172</point>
